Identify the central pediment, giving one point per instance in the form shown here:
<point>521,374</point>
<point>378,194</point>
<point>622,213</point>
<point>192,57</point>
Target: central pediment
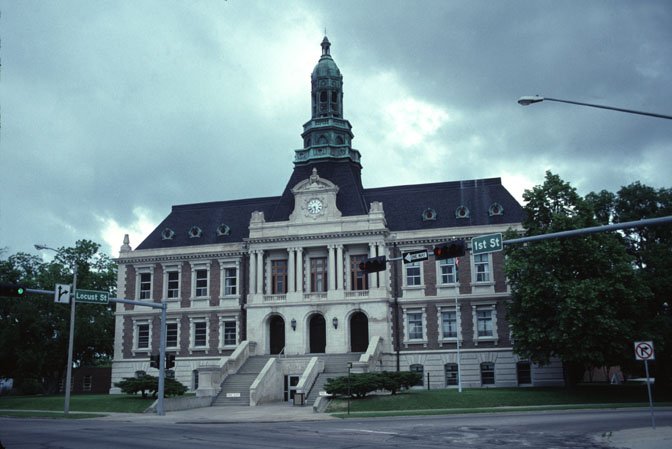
<point>314,200</point>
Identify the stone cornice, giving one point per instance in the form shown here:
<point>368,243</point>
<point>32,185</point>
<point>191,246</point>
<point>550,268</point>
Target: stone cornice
<point>179,257</point>
<point>327,236</point>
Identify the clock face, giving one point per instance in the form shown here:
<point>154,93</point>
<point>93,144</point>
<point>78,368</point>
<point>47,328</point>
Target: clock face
<point>314,206</point>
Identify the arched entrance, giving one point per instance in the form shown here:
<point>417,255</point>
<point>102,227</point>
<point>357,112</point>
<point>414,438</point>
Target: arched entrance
<point>276,327</point>
<point>359,332</point>
<point>318,334</point>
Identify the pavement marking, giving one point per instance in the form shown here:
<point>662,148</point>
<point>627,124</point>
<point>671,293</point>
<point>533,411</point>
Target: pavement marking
<point>372,431</point>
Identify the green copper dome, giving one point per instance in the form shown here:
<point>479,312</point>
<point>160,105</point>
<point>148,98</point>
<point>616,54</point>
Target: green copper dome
<point>326,67</point>
<point>327,136</point>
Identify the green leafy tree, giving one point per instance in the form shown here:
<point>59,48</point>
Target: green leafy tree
<point>572,298</point>
<point>34,330</point>
<point>651,248</point>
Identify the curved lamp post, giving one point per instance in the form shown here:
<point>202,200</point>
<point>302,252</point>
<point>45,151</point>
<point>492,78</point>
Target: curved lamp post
<point>68,376</point>
<point>528,100</point>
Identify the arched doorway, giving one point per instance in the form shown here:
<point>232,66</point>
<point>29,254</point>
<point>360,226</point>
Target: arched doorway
<point>318,334</point>
<point>276,327</point>
<point>359,332</point>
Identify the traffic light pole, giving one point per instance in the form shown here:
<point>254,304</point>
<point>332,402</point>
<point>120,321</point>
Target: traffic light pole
<point>71,342</point>
<point>163,306</point>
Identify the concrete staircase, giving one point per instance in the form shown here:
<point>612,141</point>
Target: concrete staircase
<point>236,388</point>
<point>335,365</point>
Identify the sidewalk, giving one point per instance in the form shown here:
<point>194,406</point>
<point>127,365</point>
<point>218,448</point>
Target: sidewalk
<point>642,438</point>
<point>274,412</point>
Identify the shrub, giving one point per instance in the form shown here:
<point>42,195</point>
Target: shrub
<point>362,384</point>
<point>150,384</point>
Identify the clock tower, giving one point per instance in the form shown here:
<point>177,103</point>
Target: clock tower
<point>327,135</point>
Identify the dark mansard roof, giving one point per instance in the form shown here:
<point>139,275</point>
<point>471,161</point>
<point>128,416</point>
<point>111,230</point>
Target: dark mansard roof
<point>407,207</point>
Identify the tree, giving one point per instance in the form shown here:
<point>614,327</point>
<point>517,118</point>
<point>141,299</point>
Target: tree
<point>150,384</point>
<point>34,330</point>
<point>572,298</point>
<point>651,248</point>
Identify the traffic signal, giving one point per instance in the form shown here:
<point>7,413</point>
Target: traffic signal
<point>170,361</point>
<point>374,264</point>
<point>12,290</point>
<point>154,360</point>
<point>449,250</point>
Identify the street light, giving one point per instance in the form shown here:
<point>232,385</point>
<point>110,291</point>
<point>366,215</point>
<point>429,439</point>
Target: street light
<point>68,376</point>
<point>528,100</point>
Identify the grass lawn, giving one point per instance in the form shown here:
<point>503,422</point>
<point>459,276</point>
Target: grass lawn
<point>116,403</point>
<point>479,398</point>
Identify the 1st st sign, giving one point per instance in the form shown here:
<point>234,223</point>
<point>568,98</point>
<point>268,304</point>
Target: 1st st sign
<point>487,244</point>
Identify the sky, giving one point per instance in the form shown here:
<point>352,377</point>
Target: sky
<point>114,111</point>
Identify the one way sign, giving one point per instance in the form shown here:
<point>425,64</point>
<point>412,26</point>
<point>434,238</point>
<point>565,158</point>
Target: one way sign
<point>644,350</point>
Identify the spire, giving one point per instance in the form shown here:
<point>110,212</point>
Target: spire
<point>325,46</point>
<point>327,135</point>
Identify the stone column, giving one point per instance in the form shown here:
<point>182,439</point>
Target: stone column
<point>382,276</point>
<point>299,270</point>
<point>253,271</point>
<point>291,273</point>
<point>330,268</point>
<point>260,271</point>
<point>373,277</point>
<point>339,267</point>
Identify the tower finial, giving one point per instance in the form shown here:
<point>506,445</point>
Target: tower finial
<point>325,46</point>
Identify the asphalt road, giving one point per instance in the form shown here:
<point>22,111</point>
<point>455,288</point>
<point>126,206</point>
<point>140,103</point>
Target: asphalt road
<point>546,430</point>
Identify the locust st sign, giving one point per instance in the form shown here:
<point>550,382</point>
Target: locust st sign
<point>92,296</point>
<point>487,244</point>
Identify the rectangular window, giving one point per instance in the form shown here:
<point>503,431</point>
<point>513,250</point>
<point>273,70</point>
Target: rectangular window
<point>171,335</point>
<point>87,383</point>
<point>201,283</point>
<point>482,267</point>
<point>415,326</point>
<point>484,321</point>
<point>143,336</point>
<point>318,274</point>
<point>200,333</point>
<point>230,281</point>
<point>420,370</point>
<point>487,373</point>
<point>524,373</point>
<point>145,285</point>
<point>230,333</point>
<point>448,271</point>
<point>413,274</point>
<point>279,276</point>
<point>449,324</point>
<point>173,290</point>
<point>359,280</point>
<point>451,374</point>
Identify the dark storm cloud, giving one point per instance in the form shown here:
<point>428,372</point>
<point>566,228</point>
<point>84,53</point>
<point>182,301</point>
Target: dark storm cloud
<point>114,111</point>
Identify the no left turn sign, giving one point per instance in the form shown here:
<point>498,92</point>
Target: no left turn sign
<point>644,350</point>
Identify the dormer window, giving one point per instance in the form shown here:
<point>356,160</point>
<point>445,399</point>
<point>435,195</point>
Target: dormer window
<point>495,209</point>
<point>195,232</point>
<point>462,212</point>
<point>429,214</point>
<point>167,234</point>
<point>223,229</point>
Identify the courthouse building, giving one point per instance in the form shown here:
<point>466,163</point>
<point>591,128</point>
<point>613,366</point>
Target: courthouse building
<point>277,279</point>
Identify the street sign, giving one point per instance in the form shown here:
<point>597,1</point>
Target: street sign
<point>415,256</point>
<point>62,294</point>
<point>487,244</point>
<point>644,350</point>
<point>92,296</point>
